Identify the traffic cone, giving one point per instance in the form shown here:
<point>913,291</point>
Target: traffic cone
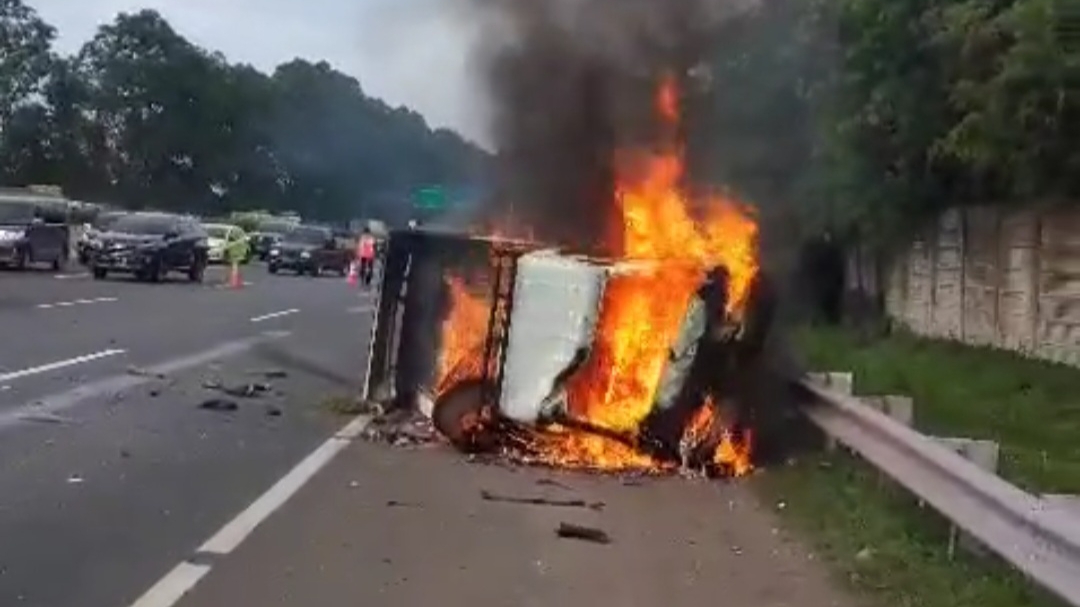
<point>235,282</point>
<point>354,274</point>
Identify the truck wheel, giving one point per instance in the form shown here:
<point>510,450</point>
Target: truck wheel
<point>100,273</point>
<point>459,415</point>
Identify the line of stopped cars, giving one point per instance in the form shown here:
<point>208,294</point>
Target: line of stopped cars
<point>150,246</point>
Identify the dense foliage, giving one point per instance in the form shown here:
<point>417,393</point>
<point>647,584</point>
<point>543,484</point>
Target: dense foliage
<point>143,117</point>
<point>869,116</point>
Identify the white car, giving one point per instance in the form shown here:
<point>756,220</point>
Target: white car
<point>219,237</point>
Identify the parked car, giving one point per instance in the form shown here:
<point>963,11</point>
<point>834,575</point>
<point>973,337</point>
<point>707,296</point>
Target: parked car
<point>221,237</point>
<point>310,250</point>
<point>150,245</point>
<point>30,234</point>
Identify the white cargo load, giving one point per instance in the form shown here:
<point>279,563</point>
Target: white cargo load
<point>556,305</point>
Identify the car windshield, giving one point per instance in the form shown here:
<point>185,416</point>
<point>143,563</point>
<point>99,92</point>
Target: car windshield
<point>216,231</point>
<point>308,236</point>
<point>145,224</point>
<point>16,212</point>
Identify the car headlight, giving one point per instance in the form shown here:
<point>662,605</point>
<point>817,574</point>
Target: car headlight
<point>9,235</point>
<point>275,252</point>
<point>305,254</point>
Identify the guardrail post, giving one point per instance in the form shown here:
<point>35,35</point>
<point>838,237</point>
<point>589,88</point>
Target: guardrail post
<point>985,455</point>
<point>900,408</point>
<point>842,382</point>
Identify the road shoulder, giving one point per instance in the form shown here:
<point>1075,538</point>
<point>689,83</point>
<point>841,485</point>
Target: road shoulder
<point>385,526</point>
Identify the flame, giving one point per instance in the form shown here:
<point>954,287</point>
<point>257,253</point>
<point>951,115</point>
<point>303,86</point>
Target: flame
<point>728,454</point>
<point>462,337</point>
<point>666,251</point>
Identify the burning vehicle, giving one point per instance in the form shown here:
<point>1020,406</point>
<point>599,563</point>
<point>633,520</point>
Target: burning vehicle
<point>637,359</point>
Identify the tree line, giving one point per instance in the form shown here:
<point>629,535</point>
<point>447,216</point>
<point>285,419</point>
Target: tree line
<point>867,117</point>
<point>142,117</point>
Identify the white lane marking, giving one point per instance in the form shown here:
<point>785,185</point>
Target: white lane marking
<point>173,586</point>
<point>360,309</point>
<point>71,276</point>
<point>76,302</point>
<point>183,578</point>
<point>60,364</point>
<point>275,315</point>
<point>58,403</point>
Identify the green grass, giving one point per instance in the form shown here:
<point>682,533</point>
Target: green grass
<point>1031,408</point>
<point>877,540</point>
<point>879,544</point>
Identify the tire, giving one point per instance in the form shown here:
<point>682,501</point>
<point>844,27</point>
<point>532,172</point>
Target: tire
<point>60,262</point>
<point>22,262</point>
<point>272,268</point>
<point>100,273</point>
<point>455,415</point>
<point>197,271</point>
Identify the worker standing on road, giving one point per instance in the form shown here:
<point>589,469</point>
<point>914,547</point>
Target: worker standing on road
<point>366,249</point>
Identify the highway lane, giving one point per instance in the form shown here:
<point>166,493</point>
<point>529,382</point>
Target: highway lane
<point>108,476</point>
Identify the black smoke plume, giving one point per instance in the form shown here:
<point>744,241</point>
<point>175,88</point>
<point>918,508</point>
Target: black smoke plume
<point>571,82</point>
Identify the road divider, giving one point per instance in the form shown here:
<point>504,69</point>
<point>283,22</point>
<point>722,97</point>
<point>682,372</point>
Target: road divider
<point>60,364</point>
<point>76,302</point>
<point>273,315</point>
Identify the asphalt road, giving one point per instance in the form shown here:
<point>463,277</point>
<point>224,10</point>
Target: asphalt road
<point>110,472</point>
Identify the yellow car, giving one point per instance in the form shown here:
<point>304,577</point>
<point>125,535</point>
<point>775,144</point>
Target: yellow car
<point>227,242</point>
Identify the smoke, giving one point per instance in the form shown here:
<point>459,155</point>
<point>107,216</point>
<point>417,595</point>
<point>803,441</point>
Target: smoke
<point>571,81</point>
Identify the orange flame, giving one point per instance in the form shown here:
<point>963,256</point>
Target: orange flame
<point>668,251</point>
<point>462,337</point>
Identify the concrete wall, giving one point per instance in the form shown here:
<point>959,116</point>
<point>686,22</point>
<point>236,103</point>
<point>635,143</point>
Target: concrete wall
<point>991,277</point>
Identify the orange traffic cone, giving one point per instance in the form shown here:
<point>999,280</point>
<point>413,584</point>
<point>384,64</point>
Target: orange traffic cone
<point>235,282</point>
<point>354,274</point>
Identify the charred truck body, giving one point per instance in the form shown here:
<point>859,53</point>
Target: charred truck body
<point>540,318</point>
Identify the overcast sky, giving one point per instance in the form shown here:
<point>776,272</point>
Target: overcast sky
<point>407,52</point>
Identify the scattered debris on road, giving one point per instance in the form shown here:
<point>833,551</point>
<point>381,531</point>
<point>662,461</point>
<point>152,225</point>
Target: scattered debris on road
<point>550,482</point>
<point>251,390</point>
<point>273,411</point>
<point>401,428</point>
<point>219,404</point>
<point>540,501</point>
<point>397,504</point>
<point>142,372</point>
<point>578,532</point>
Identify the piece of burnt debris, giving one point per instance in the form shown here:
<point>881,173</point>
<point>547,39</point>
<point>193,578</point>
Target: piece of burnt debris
<point>488,496</point>
<point>579,532</point>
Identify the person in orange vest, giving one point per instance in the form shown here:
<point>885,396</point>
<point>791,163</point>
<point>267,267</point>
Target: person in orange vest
<point>365,249</point>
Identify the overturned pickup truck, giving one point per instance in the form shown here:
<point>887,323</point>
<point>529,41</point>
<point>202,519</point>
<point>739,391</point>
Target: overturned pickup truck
<point>538,323</point>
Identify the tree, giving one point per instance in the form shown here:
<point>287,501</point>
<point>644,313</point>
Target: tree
<point>24,54</point>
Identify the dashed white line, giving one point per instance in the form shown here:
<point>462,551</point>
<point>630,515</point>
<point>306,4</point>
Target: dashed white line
<point>72,276</point>
<point>184,577</point>
<point>60,364</point>
<point>75,302</point>
<point>275,315</point>
<point>360,309</point>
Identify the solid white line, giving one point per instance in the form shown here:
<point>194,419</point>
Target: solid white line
<point>275,315</point>
<point>60,364</point>
<point>171,588</point>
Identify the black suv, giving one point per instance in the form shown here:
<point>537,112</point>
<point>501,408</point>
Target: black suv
<point>310,250</point>
<point>30,233</point>
<point>150,245</point>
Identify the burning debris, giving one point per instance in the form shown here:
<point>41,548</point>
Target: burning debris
<point>626,362</point>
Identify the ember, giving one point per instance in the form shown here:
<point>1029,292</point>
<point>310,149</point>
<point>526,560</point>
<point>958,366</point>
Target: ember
<point>670,252</point>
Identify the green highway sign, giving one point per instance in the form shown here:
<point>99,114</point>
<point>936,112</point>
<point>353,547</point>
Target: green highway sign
<point>431,197</point>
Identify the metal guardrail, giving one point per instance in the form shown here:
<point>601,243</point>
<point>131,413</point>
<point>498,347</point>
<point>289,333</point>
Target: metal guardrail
<point>1038,539</point>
